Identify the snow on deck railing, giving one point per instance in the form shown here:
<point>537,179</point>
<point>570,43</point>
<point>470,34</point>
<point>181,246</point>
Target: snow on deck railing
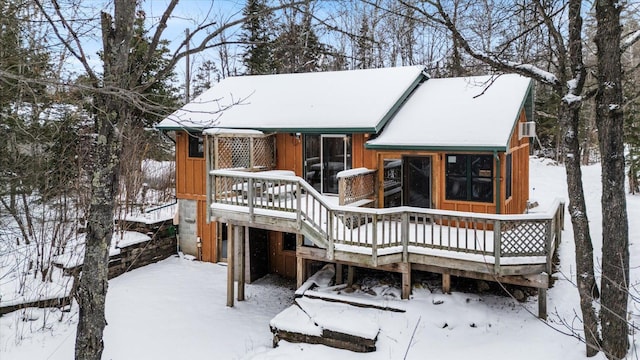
<point>499,239</point>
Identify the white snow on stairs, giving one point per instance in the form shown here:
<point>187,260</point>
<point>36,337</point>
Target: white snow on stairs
<point>322,316</point>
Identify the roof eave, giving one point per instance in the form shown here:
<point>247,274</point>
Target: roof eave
<point>528,98</point>
<point>438,148</point>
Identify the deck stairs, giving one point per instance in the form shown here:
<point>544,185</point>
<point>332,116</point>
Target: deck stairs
<point>321,315</point>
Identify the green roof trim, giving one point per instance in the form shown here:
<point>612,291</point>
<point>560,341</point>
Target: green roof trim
<point>456,148</point>
<point>314,130</point>
<point>528,105</point>
<point>367,130</point>
<point>179,128</point>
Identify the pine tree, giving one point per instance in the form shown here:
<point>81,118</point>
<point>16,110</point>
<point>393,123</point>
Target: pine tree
<point>364,46</point>
<point>203,79</point>
<point>258,37</point>
<point>298,48</point>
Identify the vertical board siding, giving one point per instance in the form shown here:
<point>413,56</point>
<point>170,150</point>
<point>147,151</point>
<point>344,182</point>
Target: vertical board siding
<point>519,149</point>
<point>289,152</point>
<point>207,234</point>
<point>281,262</point>
<point>190,174</point>
<point>190,184</point>
<point>362,157</point>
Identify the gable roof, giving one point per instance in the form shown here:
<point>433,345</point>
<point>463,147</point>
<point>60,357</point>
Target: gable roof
<point>457,114</point>
<point>323,102</point>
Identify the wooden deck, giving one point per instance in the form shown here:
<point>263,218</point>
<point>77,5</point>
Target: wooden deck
<point>515,249</point>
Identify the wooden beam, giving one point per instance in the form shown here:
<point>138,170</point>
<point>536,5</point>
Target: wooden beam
<point>241,261</point>
<point>338,274</point>
<point>446,283</point>
<point>542,303</point>
<point>230,269</point>
<point>534,280</point>
<point>406,279</point>
<point>350,274</point>
<point>300,271</point>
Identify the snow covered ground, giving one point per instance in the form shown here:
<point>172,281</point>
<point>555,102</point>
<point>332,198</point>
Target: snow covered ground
<point>176,309</point>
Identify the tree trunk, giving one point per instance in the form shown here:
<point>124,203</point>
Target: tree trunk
<point>112,117</point>
<point>587,287</point>
<point>615,231</point>
<point>92,290</point>
<point>570,123</point>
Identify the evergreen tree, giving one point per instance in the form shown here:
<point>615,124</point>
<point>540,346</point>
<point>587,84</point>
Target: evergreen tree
<point>161,96</point>
<point>203,79</point>
<point>298,48</point>
<point>258,37</point>
<point>364,46</point>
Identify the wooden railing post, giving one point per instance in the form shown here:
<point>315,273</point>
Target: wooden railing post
<point>250,197</point>
<point>497,245</point>
<point>299,204</point>
<point>404,234</point>
<point>331,249</point>
<point>374,243</point>
<point>548,242</point>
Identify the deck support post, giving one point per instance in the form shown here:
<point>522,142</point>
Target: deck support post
<point>542,303</point>
<point>241,261</point>
<point>338,274</point>
<point>406,280</point>
<point>350,273</point>
<point>301,266</point>
<point>446,283</point>
<point>301,271</point>
<point>230,265</point>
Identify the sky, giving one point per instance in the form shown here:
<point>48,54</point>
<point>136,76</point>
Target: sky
<point>188,14</point>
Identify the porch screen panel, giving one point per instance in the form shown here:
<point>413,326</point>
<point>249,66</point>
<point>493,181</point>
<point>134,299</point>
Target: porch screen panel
<point>481,178</point>
<point>457,177</point>
<point>469,177</point>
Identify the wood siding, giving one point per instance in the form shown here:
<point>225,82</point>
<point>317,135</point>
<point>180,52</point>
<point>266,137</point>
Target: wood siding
<point>190,172</point>
<point>207,234</point>
<point>519,149</point>
<point>281,262</point>
<point>289,152</point>
<point>362,157</point>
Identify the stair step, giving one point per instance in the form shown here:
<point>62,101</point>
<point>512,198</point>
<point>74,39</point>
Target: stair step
<point>315,321</point>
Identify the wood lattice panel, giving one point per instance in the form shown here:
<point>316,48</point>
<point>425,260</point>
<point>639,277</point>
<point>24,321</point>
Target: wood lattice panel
<point>524,239</point>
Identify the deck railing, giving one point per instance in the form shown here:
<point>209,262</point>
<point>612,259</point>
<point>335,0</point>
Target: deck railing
<point>496,239</point>
<point>355,185</point>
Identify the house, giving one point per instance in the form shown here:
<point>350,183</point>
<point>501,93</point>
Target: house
<point>379,168</point>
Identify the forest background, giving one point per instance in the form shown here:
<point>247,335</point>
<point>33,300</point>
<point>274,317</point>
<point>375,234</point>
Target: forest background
<point>84,82</point>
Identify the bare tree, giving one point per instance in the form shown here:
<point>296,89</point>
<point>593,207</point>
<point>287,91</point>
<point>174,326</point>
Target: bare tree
<point>567,81</point>
<point>117,97</point>
<point>615,230</point>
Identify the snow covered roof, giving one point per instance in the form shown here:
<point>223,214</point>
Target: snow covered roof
<point>323,102</point>
<point>468,113</point>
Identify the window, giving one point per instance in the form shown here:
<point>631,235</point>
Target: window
<point>324,157</point>
<point>469,177</point>
<point>196,146</point>
<point>509,176</point>
<point>289,242</point>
